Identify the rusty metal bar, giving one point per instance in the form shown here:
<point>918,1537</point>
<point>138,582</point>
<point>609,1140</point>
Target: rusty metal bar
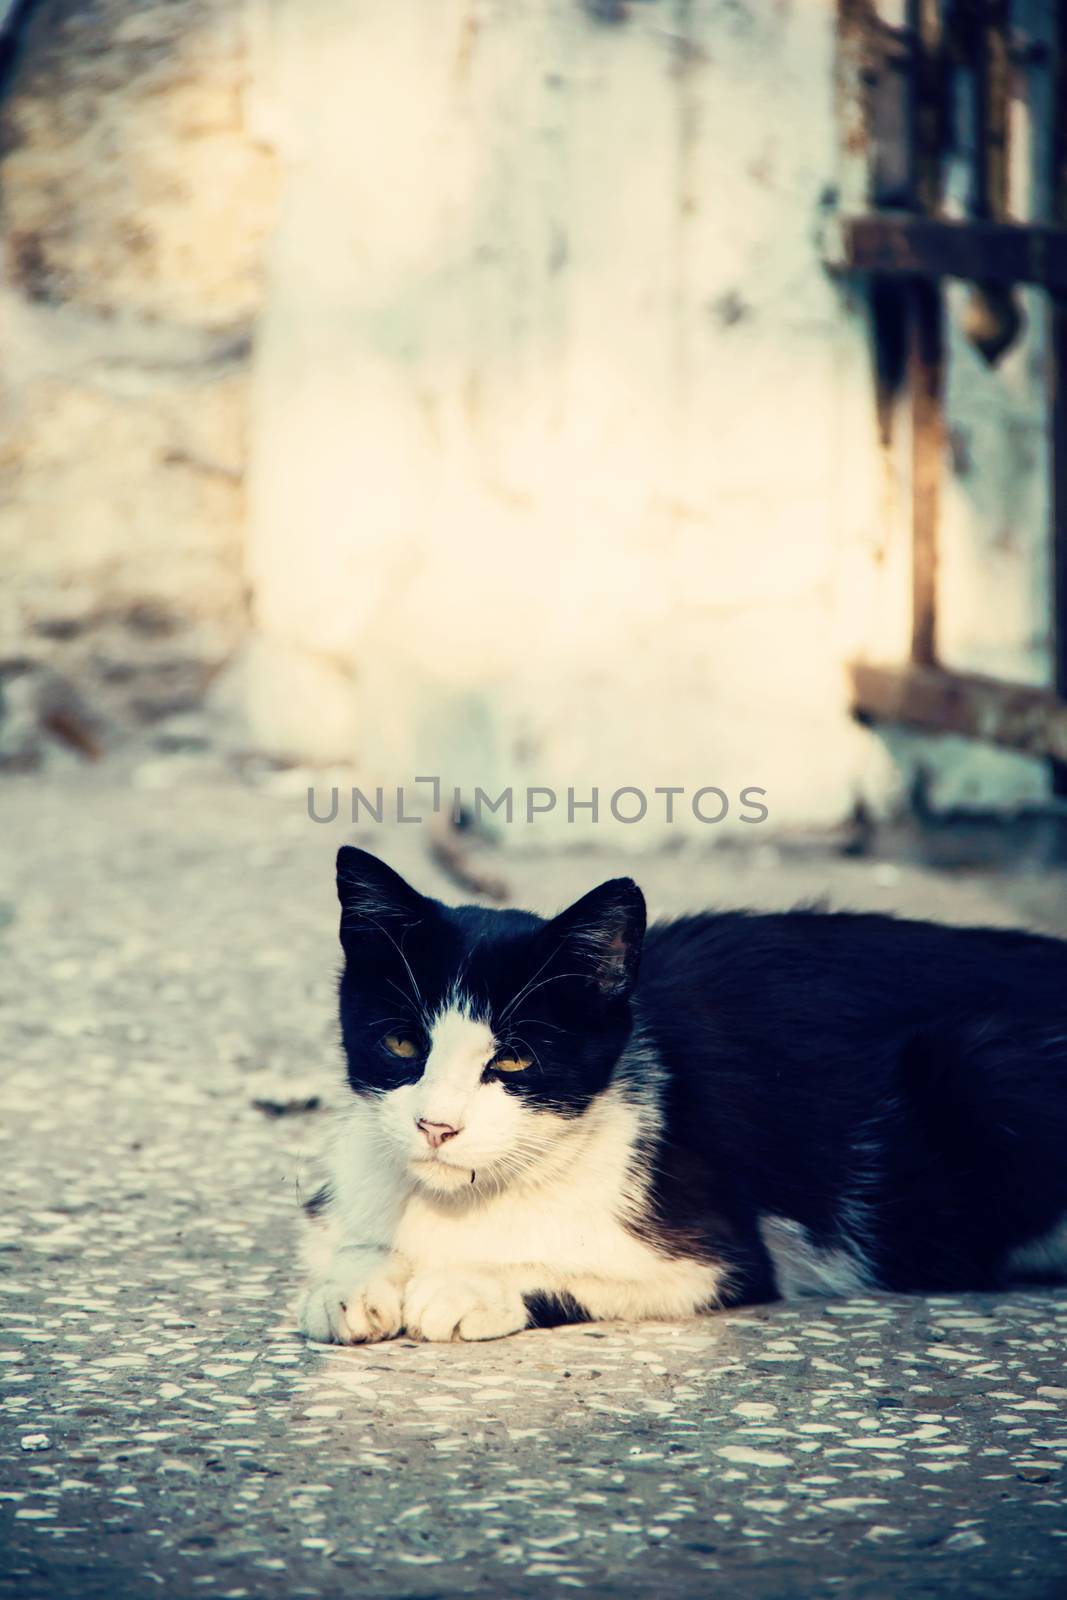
<point>992,84</point>
<point>926,102</point>
<point>1058,380</point>
<point>901,245</point>
<point>878,65</point>
<point>925,315</point>
<point>925,376</point>
<point>1012,716</point>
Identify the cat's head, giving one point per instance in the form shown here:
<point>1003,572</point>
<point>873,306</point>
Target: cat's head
<point>480,1036</point>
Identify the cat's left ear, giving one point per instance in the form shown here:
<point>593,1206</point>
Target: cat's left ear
<point>601,936</point>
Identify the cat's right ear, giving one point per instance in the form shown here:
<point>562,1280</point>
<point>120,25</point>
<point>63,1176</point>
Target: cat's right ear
<point>373,896</point>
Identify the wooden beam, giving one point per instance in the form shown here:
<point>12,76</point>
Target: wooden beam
<point>1010,715</point>
<point>900,245</point>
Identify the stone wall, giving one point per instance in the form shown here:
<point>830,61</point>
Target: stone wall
<point>566,465</point>
<point>133,206</point>
<point>556,399</point>
<point>562,458</point>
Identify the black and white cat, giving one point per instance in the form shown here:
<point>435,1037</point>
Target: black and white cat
<point>804,1101</point>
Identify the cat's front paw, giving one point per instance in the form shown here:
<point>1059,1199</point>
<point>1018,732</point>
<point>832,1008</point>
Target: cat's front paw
<point>333,1312</point>
<point>441,1308</point>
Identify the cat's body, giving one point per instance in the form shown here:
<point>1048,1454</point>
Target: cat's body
<point>805,1101</point>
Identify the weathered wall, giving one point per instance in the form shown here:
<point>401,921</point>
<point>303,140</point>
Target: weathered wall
<point>552,391</point>
<point>563,457</point>
<point>133,204</point>
<point>994,550</point>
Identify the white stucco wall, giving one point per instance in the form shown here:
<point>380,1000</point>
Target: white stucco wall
<point>133,207</point>
<point>564,462</point>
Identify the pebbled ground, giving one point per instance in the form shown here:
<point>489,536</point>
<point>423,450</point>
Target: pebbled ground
<point>166,975</point>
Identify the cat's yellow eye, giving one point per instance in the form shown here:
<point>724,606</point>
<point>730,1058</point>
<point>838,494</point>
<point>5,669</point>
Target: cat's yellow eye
<point>399,1044</point>
<point>508,1061</point>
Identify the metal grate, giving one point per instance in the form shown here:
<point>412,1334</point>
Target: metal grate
<point>908,248</point>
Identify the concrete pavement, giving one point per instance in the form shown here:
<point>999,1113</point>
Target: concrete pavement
<point>167,962</point>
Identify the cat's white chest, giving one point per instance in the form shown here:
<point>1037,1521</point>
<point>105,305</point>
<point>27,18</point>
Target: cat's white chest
<point>511,1232</point>
<point>574,1236</point>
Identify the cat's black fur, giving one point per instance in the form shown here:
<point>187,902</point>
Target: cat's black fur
<point>820,1060</point>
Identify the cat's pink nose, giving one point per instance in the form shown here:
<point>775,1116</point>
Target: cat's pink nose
<point>435,1133</point>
